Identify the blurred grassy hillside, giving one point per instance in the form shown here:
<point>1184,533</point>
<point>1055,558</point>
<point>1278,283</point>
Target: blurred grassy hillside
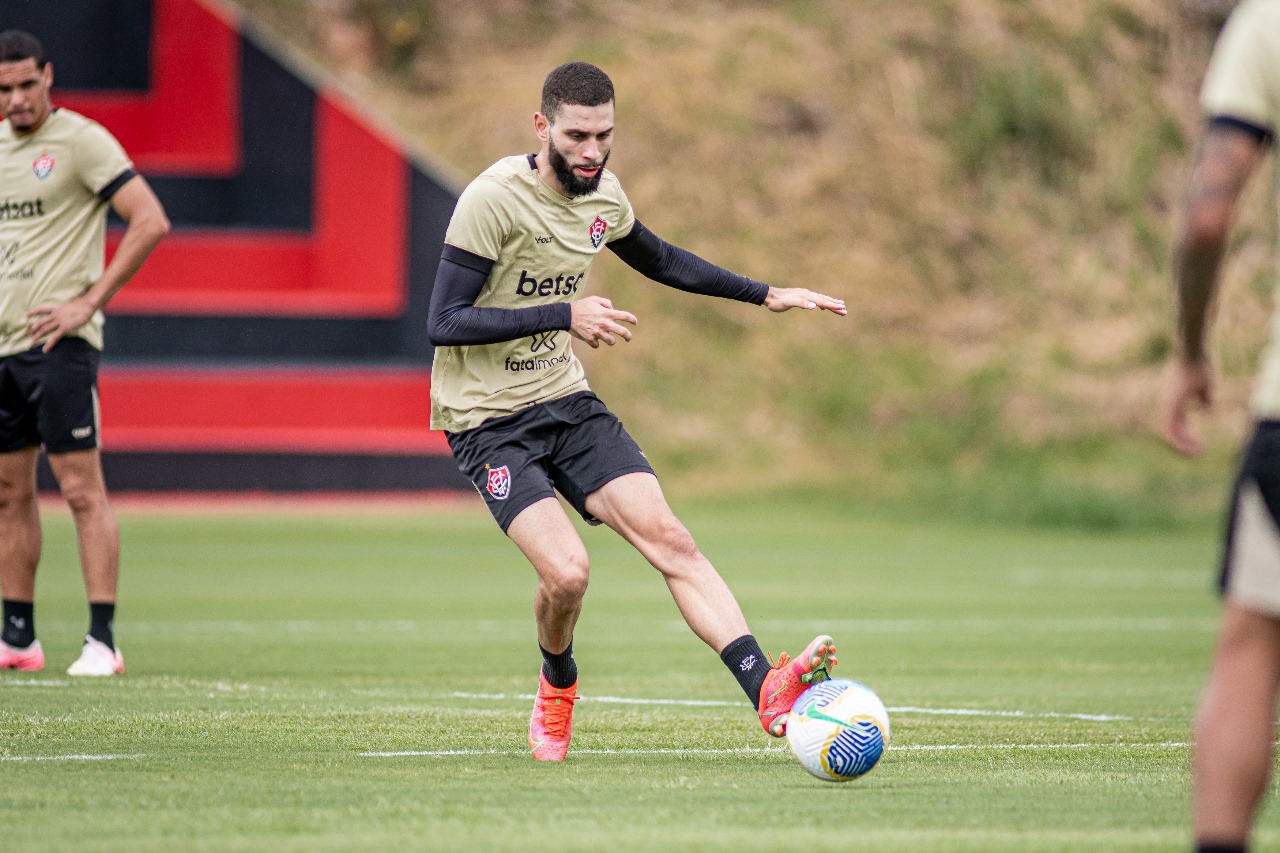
<point>991,185</point>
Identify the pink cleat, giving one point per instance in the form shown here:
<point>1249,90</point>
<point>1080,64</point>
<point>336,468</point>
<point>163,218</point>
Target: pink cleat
<point>97,658</point>
<point>789,678</point>
<point>552,720</point>
<point>30,659</point>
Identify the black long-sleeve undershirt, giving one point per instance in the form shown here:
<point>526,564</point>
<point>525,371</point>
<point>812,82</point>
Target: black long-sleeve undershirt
<point>454,319</point>
<point>655,258</point>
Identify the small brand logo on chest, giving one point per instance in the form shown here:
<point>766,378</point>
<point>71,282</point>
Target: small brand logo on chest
<point>43,166</point>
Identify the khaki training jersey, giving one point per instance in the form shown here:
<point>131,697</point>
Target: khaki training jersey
<point>1243,82</point>
<point>542,245</point>
<point>52,220</point>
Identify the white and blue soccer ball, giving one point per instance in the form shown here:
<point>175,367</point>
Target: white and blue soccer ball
<point>838,730</point>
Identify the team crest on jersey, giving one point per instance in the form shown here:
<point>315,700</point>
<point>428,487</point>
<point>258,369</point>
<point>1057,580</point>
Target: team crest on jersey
<point>42,166</point>
<point>499,482</point>
<point>597,232</point>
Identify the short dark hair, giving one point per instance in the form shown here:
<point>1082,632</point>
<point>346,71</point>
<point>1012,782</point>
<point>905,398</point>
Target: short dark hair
<point>16,45</point>
<point>577,83</point>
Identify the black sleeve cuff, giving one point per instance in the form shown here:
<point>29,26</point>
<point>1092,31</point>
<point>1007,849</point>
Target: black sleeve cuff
<point>120,180</point>
<point>463,258</point>
<point>562,314</point>
<point>1261,135</point>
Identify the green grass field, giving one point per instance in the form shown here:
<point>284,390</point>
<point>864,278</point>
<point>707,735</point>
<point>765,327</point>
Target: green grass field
<point>1040,685</point>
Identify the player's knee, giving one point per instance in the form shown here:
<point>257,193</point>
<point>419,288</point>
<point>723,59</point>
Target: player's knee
<point>676,540</point>
<point>17,494</point>
<point>82,497</point>
<point>568,582</point>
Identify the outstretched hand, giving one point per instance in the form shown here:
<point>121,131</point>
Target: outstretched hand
<point>1187,384</point>
<point>595,320</point>
<point>781,299</point>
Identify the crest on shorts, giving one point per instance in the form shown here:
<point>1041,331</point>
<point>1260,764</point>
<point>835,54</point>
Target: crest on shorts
<point>597,232</point>
<point>42,166</point>
<point>499,482</point>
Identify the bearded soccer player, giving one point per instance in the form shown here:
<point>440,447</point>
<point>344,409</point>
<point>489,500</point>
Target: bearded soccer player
<point>519,415</point>
<point>58,173</point>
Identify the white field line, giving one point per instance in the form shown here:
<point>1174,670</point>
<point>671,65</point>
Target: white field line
<point>748,750</point>
<point>617,700</point>
<point>714,703</point>
<point>433,753</point>
<point>742,750</point>
<point>325,626</point>
<point>904,709</point>
<point>940,747</point>
<point>978,712</point>
<point>69,757</point>
<point>1048,625</point>
<point>31,682</point>
<point>503,626</point>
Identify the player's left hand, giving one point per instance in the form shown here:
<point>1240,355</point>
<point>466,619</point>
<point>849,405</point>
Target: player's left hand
<point>781,299</point>
<point>1188,384</point>
<point>53,321</point>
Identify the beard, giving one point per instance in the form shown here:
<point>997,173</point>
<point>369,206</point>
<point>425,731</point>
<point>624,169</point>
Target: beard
<point>573,184</point>
<point>23,122</point>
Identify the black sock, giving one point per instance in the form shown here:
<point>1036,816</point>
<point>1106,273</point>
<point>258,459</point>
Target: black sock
<point>19,623</point>
<point>101,616</point>
<point>747,662</point>
<point>1219,848</point>
<point>561,670</point>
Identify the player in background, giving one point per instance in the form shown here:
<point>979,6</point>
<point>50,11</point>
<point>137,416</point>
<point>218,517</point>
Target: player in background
<point>521,419</point>
<point>1235,728</point>
<point>58,173</point>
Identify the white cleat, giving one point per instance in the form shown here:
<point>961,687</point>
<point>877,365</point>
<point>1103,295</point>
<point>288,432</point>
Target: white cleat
<point>97,659</point>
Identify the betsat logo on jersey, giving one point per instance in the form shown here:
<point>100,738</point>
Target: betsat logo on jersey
<point>563,284</point>
<point>21,208</point>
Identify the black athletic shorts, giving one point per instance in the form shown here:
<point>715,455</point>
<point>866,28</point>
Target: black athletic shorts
<point>573,445</point>
<point>50,398</point>
<point>1251,557</point>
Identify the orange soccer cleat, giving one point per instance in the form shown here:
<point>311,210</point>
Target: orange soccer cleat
<point>789,678</point>
<point>552,720</point>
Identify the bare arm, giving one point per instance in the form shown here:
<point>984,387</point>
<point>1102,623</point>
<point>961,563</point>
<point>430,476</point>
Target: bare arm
<point>147,224</point>
<point>1228,156</point>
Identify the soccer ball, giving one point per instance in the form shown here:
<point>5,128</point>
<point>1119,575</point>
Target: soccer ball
<point>838,729</point>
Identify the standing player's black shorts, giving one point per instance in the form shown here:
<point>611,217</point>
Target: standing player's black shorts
<point>50,398</point>
<point>573,445</point>
<point>1251,558</point>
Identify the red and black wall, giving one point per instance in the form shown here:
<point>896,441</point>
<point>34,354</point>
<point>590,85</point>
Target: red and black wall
<point>276,340</point>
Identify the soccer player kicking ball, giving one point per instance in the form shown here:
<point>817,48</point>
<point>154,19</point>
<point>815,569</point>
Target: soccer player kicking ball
<point>522,422</point>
